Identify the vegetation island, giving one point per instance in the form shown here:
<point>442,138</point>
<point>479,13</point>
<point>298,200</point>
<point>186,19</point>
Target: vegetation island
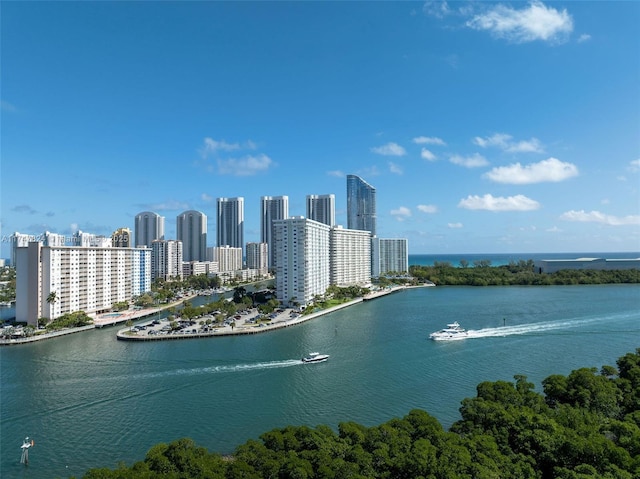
<point>584,425</point>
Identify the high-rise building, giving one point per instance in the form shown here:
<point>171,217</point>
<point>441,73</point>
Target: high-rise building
<point>148,228</point>
<point>55,280</point>
<point>228,258</point>
<point>19,240</point>
<point>230,226</point>
<point>191,229</point>
<point>361,205</point>
<point>272,208</point>
<point>322,208</point>
<point>121,238</point>
<point>350,257</point>
<point>389,255</point>
<point>302,259</point>
<point>166,259</point>
<point>258,257</point>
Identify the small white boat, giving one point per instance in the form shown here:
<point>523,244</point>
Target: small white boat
<point>451,332</point>
<point>315,358</point>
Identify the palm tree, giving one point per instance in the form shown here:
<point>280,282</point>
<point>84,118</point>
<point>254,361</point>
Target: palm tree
<point>52,298</point>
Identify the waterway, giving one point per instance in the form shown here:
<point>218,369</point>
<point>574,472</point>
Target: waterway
<point>88,400</point>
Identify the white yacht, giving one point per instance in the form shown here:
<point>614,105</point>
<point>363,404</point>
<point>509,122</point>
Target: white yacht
<point>315,358</point>
<point>451,332</point>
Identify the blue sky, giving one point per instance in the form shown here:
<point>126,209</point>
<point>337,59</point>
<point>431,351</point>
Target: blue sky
<point>485,127</point>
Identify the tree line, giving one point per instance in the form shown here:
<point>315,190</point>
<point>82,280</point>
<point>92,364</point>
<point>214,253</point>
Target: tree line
<point>515,273</point>
<point>582,426</point>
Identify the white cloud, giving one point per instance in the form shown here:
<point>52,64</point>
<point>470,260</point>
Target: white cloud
<point>336,173</point>
<point>598,217</point>
<point>395,168</point>
<point>436,8</point>
<point>505,143</point>
<point>428,140</point>
<point>585,37</point>
<point>427,155</point>
<point>499,139</point>
<point>634,166</point>
<point>428,208</point>
<point>474,161</point>
<point>246,166</point>
<point>499,203</point>
<point>212,146</point>
<point>206,198</point>
<point>549,170</point>
<point>390,149</point>
<point>455,225</point>
<point>554,229</point>
<point>531,146</point>
<point>401,213</point>
<point>534,22</point>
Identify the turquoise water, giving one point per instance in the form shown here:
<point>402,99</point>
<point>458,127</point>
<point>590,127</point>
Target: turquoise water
<point>506,258</point>
<point>89,400</point>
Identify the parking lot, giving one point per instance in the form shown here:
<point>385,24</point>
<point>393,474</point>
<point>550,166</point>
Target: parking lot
<point>247,322</point>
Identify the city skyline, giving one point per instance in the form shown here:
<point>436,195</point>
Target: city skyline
<point>484,126</point>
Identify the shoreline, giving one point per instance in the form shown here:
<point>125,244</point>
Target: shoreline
<point>278,323</point>
<point>98,323</point>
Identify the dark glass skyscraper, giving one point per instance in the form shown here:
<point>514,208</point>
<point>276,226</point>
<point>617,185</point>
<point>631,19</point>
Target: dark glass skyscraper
<point>361,205</point>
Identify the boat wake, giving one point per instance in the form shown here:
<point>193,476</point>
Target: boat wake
<point>522,329</point>
<point>231,368</point>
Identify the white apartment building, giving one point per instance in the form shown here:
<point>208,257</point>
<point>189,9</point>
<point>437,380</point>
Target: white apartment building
<point>166,260</point>
<point>195,268</point>
<point>258,257</point>
<point>350,257</point>
<point>88,279</point>
<point>302,259</point>
<point>228,258</point>
<point>389,255</point>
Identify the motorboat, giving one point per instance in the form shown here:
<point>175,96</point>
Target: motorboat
<point>315,358</point>
<point>451,332</point>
